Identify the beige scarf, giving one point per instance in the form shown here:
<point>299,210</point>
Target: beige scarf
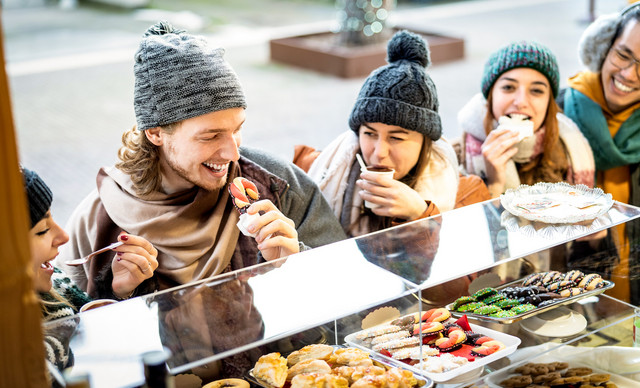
<point>194,231</point>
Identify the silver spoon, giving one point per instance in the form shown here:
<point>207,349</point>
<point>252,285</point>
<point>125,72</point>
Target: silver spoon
<point>91,255</point>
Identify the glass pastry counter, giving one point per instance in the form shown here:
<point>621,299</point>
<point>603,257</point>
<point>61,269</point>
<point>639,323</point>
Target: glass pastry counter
<point>222,324</point>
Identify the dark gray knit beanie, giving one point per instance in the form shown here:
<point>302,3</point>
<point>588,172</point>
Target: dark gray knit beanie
<point>39,195</point>
<point>400,93</point>
<point>179,76</point>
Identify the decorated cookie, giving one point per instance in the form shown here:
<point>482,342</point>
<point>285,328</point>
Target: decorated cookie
<point>560,285</point>
<point>535,279</point>
<point>573,291</point>
<point>465,308</point>
<point>591,282</point>
<point>487,309</point>
<point>243,193</point>
<point>506,303</point>
<point>574,275</point>
<point>493,298</point>
<point>523,308</point>
<point>503,314</point>
<point>462,301</point>
<point>484,293</point>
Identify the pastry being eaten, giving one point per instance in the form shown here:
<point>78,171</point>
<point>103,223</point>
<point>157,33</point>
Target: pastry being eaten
<point>271,369</point>
<point>517,123</point>
<point>310,352</point>
<point>308,366</point>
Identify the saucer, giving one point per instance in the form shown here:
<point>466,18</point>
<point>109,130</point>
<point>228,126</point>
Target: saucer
<point>559,322</point>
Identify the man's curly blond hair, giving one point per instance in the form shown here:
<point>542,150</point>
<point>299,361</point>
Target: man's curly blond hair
<point>140,159</point>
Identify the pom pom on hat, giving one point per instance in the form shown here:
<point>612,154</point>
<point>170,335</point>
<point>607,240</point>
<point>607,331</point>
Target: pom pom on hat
<point>39,195</point>
<point>161,28</point>
<point>408,46</point>
<point>179,76</point>
<point>517,55</point>
<point>400,93</point>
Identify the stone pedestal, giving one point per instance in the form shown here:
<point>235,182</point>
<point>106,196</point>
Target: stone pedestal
<point>322,53</point>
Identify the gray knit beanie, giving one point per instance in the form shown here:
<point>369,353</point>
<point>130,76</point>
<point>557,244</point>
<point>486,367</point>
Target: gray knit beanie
<point>179,76</point>
<point>400,93</point>
<point>39,195</point>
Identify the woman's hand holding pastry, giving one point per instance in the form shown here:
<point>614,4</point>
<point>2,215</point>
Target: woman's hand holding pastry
<point>497,150</point>
<point>276,234</point>
<point>394,198</point>
<point>135,261</point>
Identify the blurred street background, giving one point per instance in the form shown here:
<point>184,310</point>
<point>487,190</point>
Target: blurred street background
<point>70,66</point>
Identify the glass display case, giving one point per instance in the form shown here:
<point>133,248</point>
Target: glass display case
<point>221,325</point>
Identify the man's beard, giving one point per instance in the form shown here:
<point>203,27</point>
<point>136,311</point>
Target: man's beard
<point>205,184</point>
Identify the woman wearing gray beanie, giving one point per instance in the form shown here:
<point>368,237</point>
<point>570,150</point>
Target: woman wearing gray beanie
<point>513,132</point>
<point>59,296</point>
<point>394,124</point>
<point>133,261</point>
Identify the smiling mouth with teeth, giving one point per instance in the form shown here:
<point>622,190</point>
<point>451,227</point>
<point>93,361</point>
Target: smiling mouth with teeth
<point>215,167</point>
<point>622,87</point>
<point>46,265</point>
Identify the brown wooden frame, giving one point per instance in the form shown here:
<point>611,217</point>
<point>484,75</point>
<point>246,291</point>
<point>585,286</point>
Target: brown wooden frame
<point>22,356</point>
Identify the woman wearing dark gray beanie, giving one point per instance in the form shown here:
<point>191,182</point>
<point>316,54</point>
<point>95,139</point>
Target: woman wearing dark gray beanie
<point>394,124</point>
<point>59,296</point>
<point>513,132</point>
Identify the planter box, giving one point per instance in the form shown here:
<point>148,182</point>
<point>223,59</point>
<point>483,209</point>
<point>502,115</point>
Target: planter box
<point>319,52</point>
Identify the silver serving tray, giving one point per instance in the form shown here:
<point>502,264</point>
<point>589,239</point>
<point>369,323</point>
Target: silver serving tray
<point>423,381</point>
<point>538,310</point>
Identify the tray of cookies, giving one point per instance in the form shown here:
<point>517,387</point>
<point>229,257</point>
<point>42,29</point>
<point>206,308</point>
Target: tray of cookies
<point>433,344</point>
<point>532,295</point>
<point>548,373</point>
<point>330,366</point>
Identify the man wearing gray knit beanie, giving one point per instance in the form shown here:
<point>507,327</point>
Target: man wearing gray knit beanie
<point>171,184</point>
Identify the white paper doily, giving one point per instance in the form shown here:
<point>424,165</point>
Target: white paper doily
<point>556,203</point>
<point>540,229</point>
